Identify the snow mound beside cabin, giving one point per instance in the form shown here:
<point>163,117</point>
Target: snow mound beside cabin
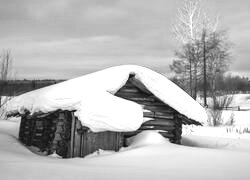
<point>92,98</point>
<point>147,138</point>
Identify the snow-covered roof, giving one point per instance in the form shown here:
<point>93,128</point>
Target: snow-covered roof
<point>92,98</point>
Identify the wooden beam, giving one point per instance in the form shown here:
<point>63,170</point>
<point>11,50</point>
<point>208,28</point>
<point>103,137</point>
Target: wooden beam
<point>165,128</point>
<point>159,122</point>
<point>157,115</point>
<point>130,90</point>
<point>72,137</point>
<point>166,134</point>
<point>128,95</point>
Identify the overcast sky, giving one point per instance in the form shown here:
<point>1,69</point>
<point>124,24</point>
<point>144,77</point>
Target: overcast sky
<point>69,38</point>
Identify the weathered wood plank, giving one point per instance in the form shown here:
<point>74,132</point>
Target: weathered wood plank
<point>77,139</point>
<point>128,95</point>
<point>139,85</point>
<point>159,122</point>
<point>166,134</point>
<point>72,137</point>
<point>142,99</point>
<point>165,128</point>
<point>157,115</point>
<point>129,90</point>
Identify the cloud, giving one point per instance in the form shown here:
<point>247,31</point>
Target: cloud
<point>69,38</point>
<point>100,13</point>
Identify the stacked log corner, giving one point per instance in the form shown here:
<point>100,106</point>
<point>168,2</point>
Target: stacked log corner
<point>61,141</point>
<point>49,133</point>
<point>62,133</point>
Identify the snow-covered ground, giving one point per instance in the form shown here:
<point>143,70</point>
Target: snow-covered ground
<point>205,154</point>
<point>240,118</point>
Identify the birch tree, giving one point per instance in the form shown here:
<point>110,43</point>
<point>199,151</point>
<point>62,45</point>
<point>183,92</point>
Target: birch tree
<point>188,24</point>
<point>191,28</point>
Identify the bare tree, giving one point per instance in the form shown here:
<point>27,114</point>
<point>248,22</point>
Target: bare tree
<point>192,29</point>
<point>188,25</point>
<point>5,65</point>
<point>218,56</point>
<point>5,74</point>
<point>186,29</point>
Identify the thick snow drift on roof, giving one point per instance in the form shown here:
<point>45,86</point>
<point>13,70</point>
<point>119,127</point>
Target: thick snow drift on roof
<point>96,106</point>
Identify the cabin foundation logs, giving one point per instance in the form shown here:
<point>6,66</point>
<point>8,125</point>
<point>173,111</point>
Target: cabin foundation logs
<point>62,133</point>
<point>61,141</point>
<point>38,132</point>
<point>49,133</point>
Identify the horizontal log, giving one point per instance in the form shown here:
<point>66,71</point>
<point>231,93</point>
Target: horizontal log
<point>165,128</point>
<point>167,134</point>
<point>157,115</point>
<point>150,103</point>
<point>139,85</point>
<point>159,122</point>
<point>39,127</point>
<point>128,85</point>
<point>190,121</point>
<point>143,99</point>
<point>132,133</point>
<point>132,94</point>
<point>153,103</point>
<point>129,90</point>
<point>38,134</point>
<point>157,105</point>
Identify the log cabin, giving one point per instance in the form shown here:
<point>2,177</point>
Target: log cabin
<point>61,130</point>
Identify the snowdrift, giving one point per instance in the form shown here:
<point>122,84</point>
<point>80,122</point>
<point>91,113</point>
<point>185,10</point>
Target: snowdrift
<point>92,98</point>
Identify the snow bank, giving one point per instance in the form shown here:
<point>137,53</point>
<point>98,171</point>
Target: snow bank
<point>147,138</point>
<point>4,101</point>
<point>241,100</point>
<point>238,100</point>
<point>228,160</point>
<point>96,106</point>
<point>239,118</point>
<point>221,131</point>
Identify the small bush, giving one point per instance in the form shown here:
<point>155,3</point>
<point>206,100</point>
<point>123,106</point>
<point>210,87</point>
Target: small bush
<point>215,112</point>
<point>3,102</point>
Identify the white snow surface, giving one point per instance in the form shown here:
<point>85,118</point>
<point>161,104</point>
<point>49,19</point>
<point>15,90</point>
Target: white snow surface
<point>205,156</point>
<point>92,96</point>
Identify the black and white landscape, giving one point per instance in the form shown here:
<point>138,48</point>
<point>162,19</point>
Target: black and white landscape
<point>117,89</point>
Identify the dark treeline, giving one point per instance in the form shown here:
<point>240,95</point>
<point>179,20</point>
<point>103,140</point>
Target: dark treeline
<point>234,84</point>
<point>224,84</point>
<point>17,87</point>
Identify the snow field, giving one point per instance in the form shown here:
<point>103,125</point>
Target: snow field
<point>149,156</point>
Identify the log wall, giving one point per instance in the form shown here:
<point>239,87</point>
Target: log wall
<point>49,133</point>
<point>158,115</point>
<point>85,142</point>
<point>62,133</point>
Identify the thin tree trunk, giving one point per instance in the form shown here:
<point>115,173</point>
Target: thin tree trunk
<point>204,68</point>
<point>190,77</point>
<point>195,80</point>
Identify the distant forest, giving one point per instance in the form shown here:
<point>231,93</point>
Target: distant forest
<point>17,87</point>
<point>229,84</point>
